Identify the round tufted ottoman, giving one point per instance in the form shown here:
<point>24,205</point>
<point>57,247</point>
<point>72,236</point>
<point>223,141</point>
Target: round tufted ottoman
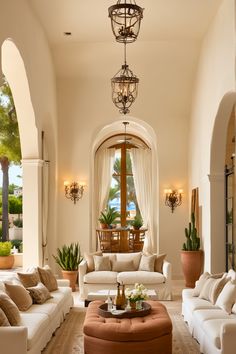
<point>151,334</point>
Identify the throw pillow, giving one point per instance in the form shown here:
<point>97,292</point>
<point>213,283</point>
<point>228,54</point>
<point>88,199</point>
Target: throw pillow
<point>90,261</point>
<point>227,297</point>
<point>39,293</point>
<point>158,265</point>
<point>147,263</point>
<point>3,319</point>
<point>10,309</point>
<point>135,257</point>
<point>19,295</point>
<point>200,283</point>
<point>212,288</point>
<point>29,279</point>
<point>47,278</point>
<point>125,266</point>
<point>102,263</point>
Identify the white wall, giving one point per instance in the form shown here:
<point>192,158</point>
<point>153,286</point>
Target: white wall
<point>215,77</point>
<point>166,72</point>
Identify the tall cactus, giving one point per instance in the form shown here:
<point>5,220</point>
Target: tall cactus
<point>193,241</point>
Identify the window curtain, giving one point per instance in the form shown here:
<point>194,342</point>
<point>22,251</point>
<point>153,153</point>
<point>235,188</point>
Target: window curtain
<point>104,162</point>
<point>141,160</point>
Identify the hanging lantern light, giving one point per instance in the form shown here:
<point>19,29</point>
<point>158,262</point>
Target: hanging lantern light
<point>125,20</point>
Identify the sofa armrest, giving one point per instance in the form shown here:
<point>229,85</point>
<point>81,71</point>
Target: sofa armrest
<point>167,270</point>
<point>13,339</point>
<point>63,282</point>
<point>228,338</point>
<point>82,272</point>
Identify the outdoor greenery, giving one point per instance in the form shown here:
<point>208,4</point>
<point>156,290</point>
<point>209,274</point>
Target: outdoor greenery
<point>10,151</point>
<point>69,257</point>
<point>5,248</point>
<point>18,222</point>
<point>15,205</point>
<point>137,222</point>
<point>18,244</point>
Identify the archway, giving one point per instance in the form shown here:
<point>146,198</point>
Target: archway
<point>146,133</point>
<point>15,73</point>
<point>216,177</point>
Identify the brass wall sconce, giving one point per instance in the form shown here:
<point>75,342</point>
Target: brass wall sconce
<point>173,198</point>
<point>74,190</point>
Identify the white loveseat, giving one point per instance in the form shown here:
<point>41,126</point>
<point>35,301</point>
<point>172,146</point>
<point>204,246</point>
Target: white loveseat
<point>38,323</point>
<point>212,325</point>
<point>92,281</point>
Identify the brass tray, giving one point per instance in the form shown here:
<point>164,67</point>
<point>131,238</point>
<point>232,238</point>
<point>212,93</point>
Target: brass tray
<point>146,309</point>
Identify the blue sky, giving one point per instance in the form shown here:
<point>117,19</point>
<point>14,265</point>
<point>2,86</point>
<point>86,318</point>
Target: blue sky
<point>14,171</point>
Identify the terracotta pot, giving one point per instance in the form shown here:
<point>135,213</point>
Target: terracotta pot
<point>192,262</point>
<point>6,262</point>
<point>72,276</point>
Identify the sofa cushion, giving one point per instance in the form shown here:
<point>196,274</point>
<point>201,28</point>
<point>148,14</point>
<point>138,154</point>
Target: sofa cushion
<point>3,319</point>
<point>140,277</point>
<point>227,297</point>
<point>135,257</point>
<point>103,277</point>
<point>19,295</point>
<point>29,279</point>
<point>39,293</point>
<point>231,274</point>
<point>212,329</point>
<point>102,263</point>
<point>90,261</point>
<point>49,309</point>
<point>123,266</point>
<point>10,309</point>
<point>47,278</point>
<point>194,303</point>
<point>212,314</point>
<point>36,324</point>
<point>147,263</point>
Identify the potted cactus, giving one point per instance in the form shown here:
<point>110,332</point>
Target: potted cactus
<point>191,255</point>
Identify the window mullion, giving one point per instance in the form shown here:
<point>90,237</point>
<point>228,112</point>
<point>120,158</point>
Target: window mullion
<point>123,185</point>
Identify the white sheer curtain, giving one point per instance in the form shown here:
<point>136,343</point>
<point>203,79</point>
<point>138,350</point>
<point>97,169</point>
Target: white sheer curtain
<point>141,160</point>
<point>104,162</point>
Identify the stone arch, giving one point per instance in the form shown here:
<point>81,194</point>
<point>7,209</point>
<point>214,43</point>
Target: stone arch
<point>216,177</point>
<point>15,72</point>
<point>143,130</point>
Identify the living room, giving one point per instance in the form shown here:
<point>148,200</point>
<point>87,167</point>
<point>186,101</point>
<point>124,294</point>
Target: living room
<point>185,60</point>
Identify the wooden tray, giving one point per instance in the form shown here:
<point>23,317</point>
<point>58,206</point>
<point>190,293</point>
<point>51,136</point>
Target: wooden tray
<point>102,311</point>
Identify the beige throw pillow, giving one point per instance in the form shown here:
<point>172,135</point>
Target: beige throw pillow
<point>212,288</point>
<point>90,261</point>
<point>19,295</point>
<point>10,309</point>
<point>158,265</point>
<point>3,319</point>
<point>39,293</point>
<point>135,257</point>
<point>125,266</point>
<point>29,279</point>
<point>227,297</point>
<point>147,263</point>
<point>102,263</point>
<point>47,278</point>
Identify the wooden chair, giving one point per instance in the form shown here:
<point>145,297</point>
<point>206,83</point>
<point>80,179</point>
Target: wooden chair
<point>109,240</point>
<point>136,240</point>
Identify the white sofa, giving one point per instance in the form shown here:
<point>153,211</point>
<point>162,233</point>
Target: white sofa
<point>98,280</point>
<point>209,324</point>
<point>38,323</point>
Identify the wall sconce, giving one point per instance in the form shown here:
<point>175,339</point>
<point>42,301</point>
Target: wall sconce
<point>74,190</point>
<point>173,198</point>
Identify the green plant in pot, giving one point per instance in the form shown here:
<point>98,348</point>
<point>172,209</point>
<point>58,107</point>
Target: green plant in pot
<point>191,255</point>
<point>69,258</point>
<point>137,222</point>
<point>108,217</point>
<point>6,258</point>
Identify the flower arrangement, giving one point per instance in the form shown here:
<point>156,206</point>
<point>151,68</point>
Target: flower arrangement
<point>139,293</point>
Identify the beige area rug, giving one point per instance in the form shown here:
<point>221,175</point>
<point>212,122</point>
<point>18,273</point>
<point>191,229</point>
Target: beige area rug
<point>69,337</point>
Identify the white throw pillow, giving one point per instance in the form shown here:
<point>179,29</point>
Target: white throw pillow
<point>200,283</point>
<point>227,297</point>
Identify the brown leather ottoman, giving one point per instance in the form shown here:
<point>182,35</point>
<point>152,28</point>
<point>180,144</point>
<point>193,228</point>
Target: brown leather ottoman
<point>151,334</point>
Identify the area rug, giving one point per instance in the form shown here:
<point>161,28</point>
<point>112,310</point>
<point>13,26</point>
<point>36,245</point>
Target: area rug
<point>68,338</point>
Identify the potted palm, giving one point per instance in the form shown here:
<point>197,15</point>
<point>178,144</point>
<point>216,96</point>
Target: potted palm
<point>108,217</point>
<point>191,255</point>
<point>69,258</point>
<point>6,258</point>
<point>137,222</point>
